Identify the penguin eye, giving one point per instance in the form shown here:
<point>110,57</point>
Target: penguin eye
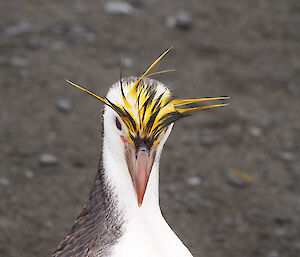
<point>118,124</point>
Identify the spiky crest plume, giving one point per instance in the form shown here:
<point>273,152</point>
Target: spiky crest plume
<point>147,112</point>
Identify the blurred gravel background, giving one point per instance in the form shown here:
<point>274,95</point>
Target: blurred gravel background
<point>229,177</point>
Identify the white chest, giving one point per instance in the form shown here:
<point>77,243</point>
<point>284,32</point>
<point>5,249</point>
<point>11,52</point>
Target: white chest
<point>149,238</point>
<point>145,232</point>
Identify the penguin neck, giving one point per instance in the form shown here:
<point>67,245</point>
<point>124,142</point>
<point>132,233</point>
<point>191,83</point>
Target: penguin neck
<point>118,177</point>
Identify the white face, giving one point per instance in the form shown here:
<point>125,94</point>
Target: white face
<point>113,135</point>
<point>137,159</point>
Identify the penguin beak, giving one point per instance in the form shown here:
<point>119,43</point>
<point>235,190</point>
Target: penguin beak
<point>139,163</point>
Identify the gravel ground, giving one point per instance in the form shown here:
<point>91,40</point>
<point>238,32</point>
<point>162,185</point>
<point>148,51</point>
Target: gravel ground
<point>229,177</point>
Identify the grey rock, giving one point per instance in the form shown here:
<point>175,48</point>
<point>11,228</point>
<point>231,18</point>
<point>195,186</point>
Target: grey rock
<point>238,179</point>
<point>90,37</point>
<point>273,253</point>
<point>280,232</point>
<point>79,7</point>
<point>255,131</point>
<point>220,238</point>
<point>77,33</point>
<point>29,174</point>
<point>4,181</point>
<point>18,61</point>
<point>137,3</point>
<point>242,113</point>
<point>181,20</point>
<point>52,136</point>
<point>127,62</point>
<point>47,159</point>
<point>194,181</point>
<point>228,222</point>
<point>57,31</point>
<point>58,45</point>
<point>209,141</point>
<point>80,33</point>
<point>35,43</point>
<point>118,7</point>
<point>236,182</point>
<point>49,224</point>
<point>21,28</point>
<point>63,106</point>
<point>287,156</point>
<point>256,212</point>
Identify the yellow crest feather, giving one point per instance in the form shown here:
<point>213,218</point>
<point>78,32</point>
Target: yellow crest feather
<point>147,112</point>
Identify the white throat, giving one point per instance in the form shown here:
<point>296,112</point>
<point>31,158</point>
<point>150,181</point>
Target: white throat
<point>117,175</point>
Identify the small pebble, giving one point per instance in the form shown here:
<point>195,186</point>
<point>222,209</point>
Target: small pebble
<point>63,106</point>
<point>4,181</point>
<point>194,181</point>
<point>127,62</point>
<point>18,61</point>
<point>58,45</point>
<point>137,3</point>
<point>287,156</point>
<point>52,136</point>
<point>35,43</point>
<point>57,31</point>
<point>239,179</point>
<point>118,7</point>
<point>220,238</point>
<point>228,222</point>
<point>90,37</point>
<point>273,254</point>
<point>181,20</point>
<point>21,28</point>
<point>79,7</point>
<point>255,131</point>
<point>256,212</point>
<point>49,224</point>
<point>29,174</point>
<point>209,141</point>
<point>78,33</point>
<point>279,232</point>
<point>47,159</point>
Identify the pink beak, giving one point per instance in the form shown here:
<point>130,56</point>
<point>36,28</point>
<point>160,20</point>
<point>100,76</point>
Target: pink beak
<point>139,165</point>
